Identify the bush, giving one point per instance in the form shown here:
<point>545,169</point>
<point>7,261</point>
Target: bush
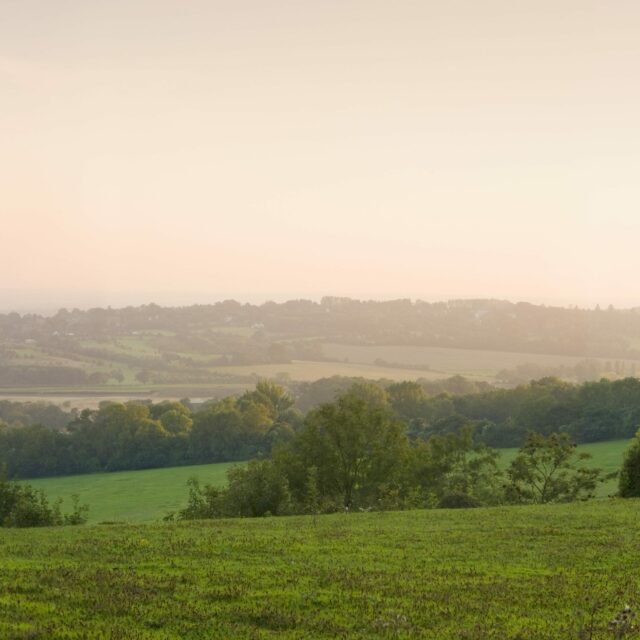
<point>254,490</point>
<point>24,506</point>
<point>458,500</point>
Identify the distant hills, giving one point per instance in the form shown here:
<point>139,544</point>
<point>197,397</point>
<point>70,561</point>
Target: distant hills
<point>232,342</point>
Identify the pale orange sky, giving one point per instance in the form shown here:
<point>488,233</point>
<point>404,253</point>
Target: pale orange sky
<point>184,149</point>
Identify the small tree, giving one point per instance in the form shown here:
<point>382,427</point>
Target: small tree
<point>629,483</point>
<point>546,470</point>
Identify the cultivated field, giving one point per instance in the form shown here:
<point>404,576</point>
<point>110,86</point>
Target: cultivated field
<point>531,573</point>
<point>142,496</point>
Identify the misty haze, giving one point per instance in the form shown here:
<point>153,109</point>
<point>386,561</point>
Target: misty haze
<point>319,319</point>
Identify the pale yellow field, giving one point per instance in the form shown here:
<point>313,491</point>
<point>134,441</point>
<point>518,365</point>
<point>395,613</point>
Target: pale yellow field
<point>310,370</point>
<point>467,362</point>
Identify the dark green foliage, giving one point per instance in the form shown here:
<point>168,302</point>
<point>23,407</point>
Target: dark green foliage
<point>629,484</point>
<point>352,454</point>
<point>257,489</point>
<point>141,435</point>
<point>453,463</point>
<point>591,412</point>
<point>354,443</point>
<point>312,498</point>
<point>254,490</point>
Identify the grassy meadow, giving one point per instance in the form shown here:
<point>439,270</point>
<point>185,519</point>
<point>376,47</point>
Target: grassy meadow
<point>144,496</point>
<point>526,573</point>
<point>131,496</point>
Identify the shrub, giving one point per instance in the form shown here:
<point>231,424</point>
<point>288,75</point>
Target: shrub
<point>23,506</point>
<point>257,489</point>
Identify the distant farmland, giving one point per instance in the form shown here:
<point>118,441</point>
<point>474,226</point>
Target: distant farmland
<point>141,366</point>
<point>467,362</point>
<point>309,370</point>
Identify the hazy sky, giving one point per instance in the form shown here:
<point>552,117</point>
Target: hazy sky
<point>242,148</point>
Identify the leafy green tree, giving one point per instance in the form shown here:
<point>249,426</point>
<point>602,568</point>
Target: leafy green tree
<point>547,469</point>
<point>355,444</point>
<point>176,421</point>
<point>275,398</point>
<point>256,489</point>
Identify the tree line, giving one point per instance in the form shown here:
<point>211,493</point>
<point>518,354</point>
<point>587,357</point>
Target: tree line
<point>141,435</point>
<point>471,324</point>
<point>590,412</point>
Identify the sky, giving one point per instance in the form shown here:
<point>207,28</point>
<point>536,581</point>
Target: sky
<point>186,150</point>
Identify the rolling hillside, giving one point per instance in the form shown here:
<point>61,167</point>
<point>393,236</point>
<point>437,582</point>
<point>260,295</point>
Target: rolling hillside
<point>532,573</point>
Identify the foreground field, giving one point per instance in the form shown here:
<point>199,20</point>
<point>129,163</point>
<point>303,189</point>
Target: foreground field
<point>518,572</point>
<point>143,496</point>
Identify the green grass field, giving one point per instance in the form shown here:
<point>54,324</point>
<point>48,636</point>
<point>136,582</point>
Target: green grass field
<point>143,496</point>
<point>131,496</point>
<point>525,573</point>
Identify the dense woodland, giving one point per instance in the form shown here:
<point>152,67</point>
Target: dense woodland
<point>141,434</point>
<point>183,344</point>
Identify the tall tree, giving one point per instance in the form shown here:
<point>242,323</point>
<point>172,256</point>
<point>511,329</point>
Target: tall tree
<point>355,444</point>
